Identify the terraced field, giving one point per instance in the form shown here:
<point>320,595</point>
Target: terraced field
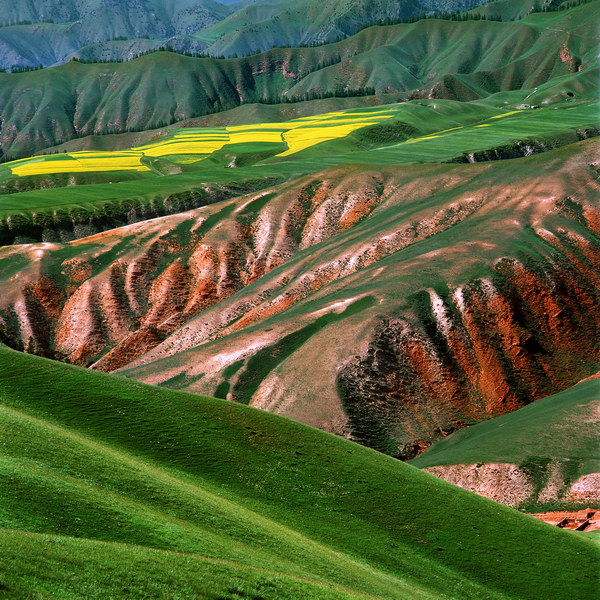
<point>79,162</point>
<point>200,165</point>
<point>198,143</point>
<point>195,144</point>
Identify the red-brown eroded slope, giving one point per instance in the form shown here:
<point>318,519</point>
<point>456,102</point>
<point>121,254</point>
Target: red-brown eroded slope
<point>391,305</point>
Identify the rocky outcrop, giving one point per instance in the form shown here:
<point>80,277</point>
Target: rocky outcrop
<point>515,486</point>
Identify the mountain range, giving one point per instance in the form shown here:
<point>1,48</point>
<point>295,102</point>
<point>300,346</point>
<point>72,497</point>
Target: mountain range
<point>429,58</point>
<point>53,31</point>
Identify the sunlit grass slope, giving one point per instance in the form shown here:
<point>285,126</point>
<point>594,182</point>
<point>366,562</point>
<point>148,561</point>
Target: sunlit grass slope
<point>563,426</point>
<point>73,569</point>
<point>215,499</point>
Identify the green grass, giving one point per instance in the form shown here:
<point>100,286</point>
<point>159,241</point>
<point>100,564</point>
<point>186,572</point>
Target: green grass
<point>551,428</point>
<point>419,132</point>
<point>72,569</point>
<point>263,505</point>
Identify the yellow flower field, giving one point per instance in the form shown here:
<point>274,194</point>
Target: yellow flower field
<point>193,144</point>
<point>80,162</point>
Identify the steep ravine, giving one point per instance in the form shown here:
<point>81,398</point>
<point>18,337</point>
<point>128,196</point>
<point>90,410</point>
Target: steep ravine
<point>479,350</point>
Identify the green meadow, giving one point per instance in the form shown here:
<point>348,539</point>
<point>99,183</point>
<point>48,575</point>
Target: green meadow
<point>417,132</point>
<point>149,492</point>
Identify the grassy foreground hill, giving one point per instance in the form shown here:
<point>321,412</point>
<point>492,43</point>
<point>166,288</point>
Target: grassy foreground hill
<point>116,489</point>
<point>546,453</point>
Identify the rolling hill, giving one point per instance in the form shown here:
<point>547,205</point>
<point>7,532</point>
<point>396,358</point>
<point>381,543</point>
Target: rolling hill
<point>241,298</point>
<point>116,489</point>
<point>540,456</point>
<point>69,195</point>
<point>430,58</point>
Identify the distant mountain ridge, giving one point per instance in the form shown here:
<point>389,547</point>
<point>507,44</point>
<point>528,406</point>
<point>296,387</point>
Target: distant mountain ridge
<point>50,32</point>
<point>422,59</point>
<point>162,16</point>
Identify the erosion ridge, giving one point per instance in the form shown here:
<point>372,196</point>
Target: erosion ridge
<point>318,274</point>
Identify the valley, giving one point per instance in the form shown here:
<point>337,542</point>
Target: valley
<point>198,299</point>
<point>299,300</point>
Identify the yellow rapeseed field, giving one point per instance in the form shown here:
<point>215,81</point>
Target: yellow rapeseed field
<point>331,126</point>
<point>193,144</point>
<point>512,112</point>
<point>81,162</point>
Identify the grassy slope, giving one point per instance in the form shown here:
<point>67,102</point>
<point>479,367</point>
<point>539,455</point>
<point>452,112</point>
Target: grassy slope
<point>554,427</point>
<point>70,569</point>
<point>265,25</point>
<point>38,108</point>
<point>99,457</point>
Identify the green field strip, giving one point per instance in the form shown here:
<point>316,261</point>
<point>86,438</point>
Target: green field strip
<point>448,143</point>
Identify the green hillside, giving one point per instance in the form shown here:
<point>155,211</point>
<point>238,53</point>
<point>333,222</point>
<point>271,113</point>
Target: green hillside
<point>152,180</point>
<point>230,502</point>
<point>553,442</point>
<point>53,31</point>
<point>266,24</point>
<point>554,428</point>
<point>430,58</point>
